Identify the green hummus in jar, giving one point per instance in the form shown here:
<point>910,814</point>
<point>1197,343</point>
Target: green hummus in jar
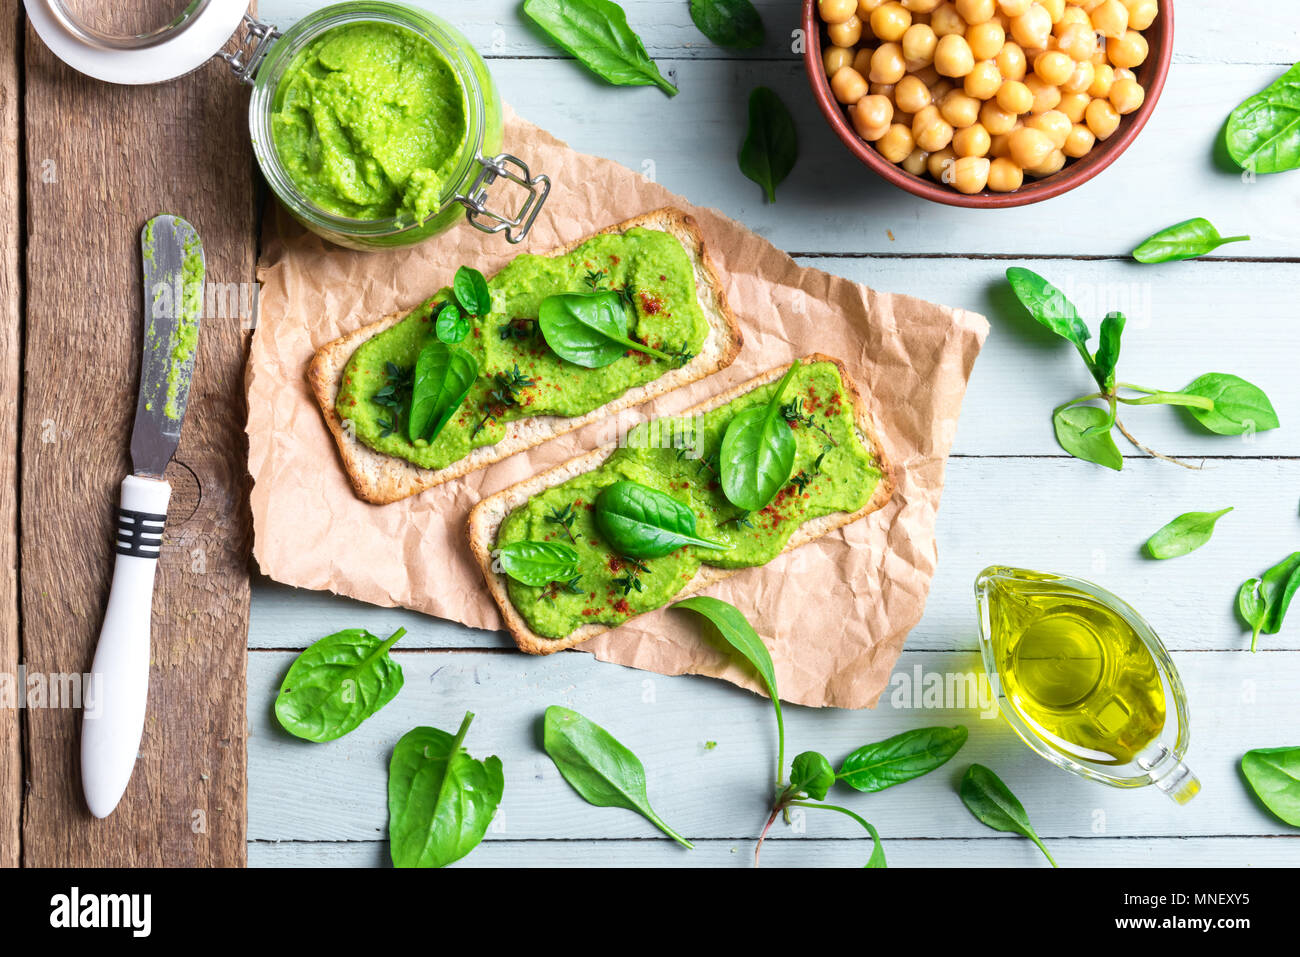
<point>369,121</point>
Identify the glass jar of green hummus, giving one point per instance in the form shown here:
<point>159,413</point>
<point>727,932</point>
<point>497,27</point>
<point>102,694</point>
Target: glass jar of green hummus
<point>377,124</point>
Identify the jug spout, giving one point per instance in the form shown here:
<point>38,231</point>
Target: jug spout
<point>1174,778</point>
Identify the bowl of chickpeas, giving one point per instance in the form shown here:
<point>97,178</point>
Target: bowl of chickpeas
<point>988,103</point>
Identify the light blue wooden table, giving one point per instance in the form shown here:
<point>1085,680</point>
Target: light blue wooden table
<point>1011,497</point>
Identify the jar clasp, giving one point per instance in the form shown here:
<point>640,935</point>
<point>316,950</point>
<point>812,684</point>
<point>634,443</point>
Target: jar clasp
<point>505,166</point>
<point>253,47</point>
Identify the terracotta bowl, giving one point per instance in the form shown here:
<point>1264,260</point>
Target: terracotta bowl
<point>1151,74</point>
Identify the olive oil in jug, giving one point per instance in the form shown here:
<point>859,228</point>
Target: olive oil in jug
<point>1082,677</point>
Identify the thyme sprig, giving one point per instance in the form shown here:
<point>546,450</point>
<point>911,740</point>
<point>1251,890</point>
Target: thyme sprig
<point>793,411</point>
<point>564,517</point>
<point>631,580</point>
<point>506,392</point>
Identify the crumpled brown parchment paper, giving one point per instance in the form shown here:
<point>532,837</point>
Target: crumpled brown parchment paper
<point>835,612</point>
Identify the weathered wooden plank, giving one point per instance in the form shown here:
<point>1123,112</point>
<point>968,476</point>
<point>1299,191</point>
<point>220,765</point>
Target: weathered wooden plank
<point>337,791</point>
<point>1053,514</point>
<point>107,158</point>
<point>498,29</point>
<point>10,384</point>
<point>995,851</point>
<point>831,203</point>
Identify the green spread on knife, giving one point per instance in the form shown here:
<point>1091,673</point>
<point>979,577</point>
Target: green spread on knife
<point>834,471</point>
<point>369,122</point>
<point>185,339</point>
<point>650,266</point>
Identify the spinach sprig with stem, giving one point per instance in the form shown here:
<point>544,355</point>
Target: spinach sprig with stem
<point>1263,602</point>
<point>597,34</point>
<point>993,804</point>
<point>1222,403</point>
<point>872,767</point>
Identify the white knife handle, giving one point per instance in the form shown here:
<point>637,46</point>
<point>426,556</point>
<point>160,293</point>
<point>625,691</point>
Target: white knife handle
<point>113,719</point>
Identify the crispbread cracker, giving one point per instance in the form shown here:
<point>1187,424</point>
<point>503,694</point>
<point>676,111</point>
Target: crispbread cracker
<point>486,517</point>
<point>381,479</point>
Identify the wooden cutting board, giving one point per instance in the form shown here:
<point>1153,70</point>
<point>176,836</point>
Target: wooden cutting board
<point>98,161</point>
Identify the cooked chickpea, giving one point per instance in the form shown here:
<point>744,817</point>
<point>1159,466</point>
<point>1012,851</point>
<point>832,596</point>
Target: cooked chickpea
<point>1102,78</point>
<point>862,61</point>
<point>918,43</point>
<point>939,164</point>
<point>890,21</point>
<point>997,120</point>
<point>887,64</point>
<point>834,57</point>
<point>874,110</point>
<point>958,109</point>
<point>1014,97</point>
<point>897,143</point>
<point>848,85</point>
<point>1102,119</point>
<point>1053,67</point>
<point>1005,176</point>
<point>1129,51</point>
<point>1110,19</point>
<point>1054,123</point>
<point>1014,8</point>
<point>921,6</point>
<point>983,81</point>
<point>998,147</point>
<point>865,7</point>
<point>1072,15</point>
<point>861,120</point>
<point>941,89</point>
<point>1055,8</point>
<point>1029,147</point>
<point>1073,105</point>
<point>985,40</point>
<point>1077,41</point>
<point>1011,61</point>
<point>1032,28</point>
<point>971,141</point>
<point>1141,13</point>
<point>1081,78</point>
<point>947,21</point>
<point>847,33</point>
<point>1054,162</point>
<point>927,75</point>
<point>1046,96</point>
<point>916,162</point>
<point>970,174</point>
<point>1080,142</point>
<point>912,95</point>
<point>976,11</point>
<point>952,57</point>
<point>931,130</point>
<point>882,89</point>
<point>1126,96</point>
<point>837,11</point>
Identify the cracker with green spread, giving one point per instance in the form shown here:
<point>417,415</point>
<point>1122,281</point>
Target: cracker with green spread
<point>524,393</point>
<point>838,474</point>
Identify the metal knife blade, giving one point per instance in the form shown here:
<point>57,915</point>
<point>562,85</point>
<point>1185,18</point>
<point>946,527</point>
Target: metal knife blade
<point>174,273</point>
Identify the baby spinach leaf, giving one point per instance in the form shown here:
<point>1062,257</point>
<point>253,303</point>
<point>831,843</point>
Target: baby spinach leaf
<point>337,683</point>
<point>1239,407</point>
<point>1084,432</point>
<point>599,768</point>
<point>811,774</point>
<point>1112,328</point>
<point>992,803</point>
<point>1252,608</point>
<point>1050,307</point>
<point>440,800</point>
<point>734,24</point>
<point>874,767</point>
<point>451,326</point>
<point>443,377</point>
<point>758,450</point>
<point>739,633</point>
<point>1274,775</point>
<point>1185,240</point>
<point>643,522</point>
<point>596,32</point>
<point>538,563</point>
<point>771,144</point>
<point>1264,132</point>
<point>1184,534</point>
<point>471,291</point>
<point>588,329</point>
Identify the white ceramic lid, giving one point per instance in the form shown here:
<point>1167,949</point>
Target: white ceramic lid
<point>163,55</point>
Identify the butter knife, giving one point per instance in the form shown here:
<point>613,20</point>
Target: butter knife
<point>113,718</point>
